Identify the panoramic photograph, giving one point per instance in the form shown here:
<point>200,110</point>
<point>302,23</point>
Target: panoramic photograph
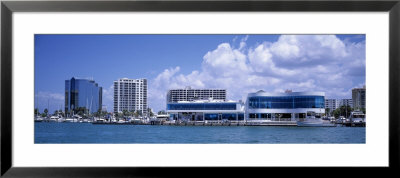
<point>200,89</point>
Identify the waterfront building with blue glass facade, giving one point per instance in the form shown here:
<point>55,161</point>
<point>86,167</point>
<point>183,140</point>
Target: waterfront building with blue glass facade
<point>206,111</point>
<point>82,94</point>
<point>260,108</point>
<point>288,106</point>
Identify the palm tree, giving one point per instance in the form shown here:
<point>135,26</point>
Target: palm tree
<point>137,113</point>
<point>61,112</point>
<point>150,112</point>
<point>161,112</point>
<point>125,113</point>
<point>80,110</point>
<point>46,111</point>
<point>328,111</point>
<point>36,111</point>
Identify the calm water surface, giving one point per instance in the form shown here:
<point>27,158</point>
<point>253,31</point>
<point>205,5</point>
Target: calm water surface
<point>89,133</point>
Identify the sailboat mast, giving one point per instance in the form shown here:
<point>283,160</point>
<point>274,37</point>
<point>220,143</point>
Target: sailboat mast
<point>37,105</point>
<point>86,106</point>
<point>37,112</point>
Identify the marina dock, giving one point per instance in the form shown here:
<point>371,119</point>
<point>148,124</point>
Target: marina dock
<point>235,123</point>
<point>354,124</point>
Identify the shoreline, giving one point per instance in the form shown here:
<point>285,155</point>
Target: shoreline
<point>237,124</point>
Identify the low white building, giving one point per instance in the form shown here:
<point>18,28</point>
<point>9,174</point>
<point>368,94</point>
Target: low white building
<point>206,111</point>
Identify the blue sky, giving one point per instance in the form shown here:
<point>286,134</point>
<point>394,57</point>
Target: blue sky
<point>241,63</point>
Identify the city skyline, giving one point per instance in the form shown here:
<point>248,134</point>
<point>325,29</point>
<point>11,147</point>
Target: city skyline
<point>242,64</point>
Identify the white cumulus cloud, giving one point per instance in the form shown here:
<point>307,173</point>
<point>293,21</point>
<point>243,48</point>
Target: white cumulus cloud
<point>298,62</point>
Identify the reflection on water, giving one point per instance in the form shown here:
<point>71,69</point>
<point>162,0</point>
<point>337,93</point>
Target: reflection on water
<point>89,133</point>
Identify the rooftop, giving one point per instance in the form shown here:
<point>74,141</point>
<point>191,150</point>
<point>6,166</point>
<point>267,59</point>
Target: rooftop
<point>208,101</point>
<point>264,93</point>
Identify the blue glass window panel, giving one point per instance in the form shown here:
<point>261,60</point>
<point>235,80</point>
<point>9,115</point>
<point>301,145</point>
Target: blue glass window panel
<point>240,117</point>
<point>252,115</point>
<point>286,102</point>
<point>229,116</point>
<point>210,116</point>
<point>83,93</point>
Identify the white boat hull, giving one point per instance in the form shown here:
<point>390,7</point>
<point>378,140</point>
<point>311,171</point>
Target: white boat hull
<point>314,124</point>
<point>71,120</point>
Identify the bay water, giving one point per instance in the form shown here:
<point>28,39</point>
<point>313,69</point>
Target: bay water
<point>83,133</point>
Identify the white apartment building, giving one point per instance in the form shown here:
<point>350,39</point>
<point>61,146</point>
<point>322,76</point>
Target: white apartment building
<point>346,102</point>
<point>130,95</point>
<point>189,94</point>
<point>333,104</point>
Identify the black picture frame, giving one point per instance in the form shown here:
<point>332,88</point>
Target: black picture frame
<point>8,7</point>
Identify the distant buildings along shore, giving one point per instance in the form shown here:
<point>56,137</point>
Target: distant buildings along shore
<point>206,104</point>
<point>261,106</point>
<point>333,104</point>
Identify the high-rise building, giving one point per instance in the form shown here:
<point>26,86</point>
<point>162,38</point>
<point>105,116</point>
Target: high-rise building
<point>82,94</point>
<point>358,95</point>
<point>333,104</point>
<point>130,95</point>
<point>346,102</point>
<point>189,94</point>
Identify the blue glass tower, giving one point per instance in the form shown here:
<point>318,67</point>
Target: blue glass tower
<point>82,94</point>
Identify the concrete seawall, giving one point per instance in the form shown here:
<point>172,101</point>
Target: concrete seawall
<point>272,123</point>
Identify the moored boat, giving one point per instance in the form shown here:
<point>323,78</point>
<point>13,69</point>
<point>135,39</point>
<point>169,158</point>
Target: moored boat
<point>74,118</point>
<point>38,119</point>
<point>357,117</point>
<point>71,120</point>
<point>314,120</point>
<point>53,119</point>
<point>315,123</point>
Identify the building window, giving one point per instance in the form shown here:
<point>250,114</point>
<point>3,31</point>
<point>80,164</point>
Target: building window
<point>211,116</point>
<point>286,102</point>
